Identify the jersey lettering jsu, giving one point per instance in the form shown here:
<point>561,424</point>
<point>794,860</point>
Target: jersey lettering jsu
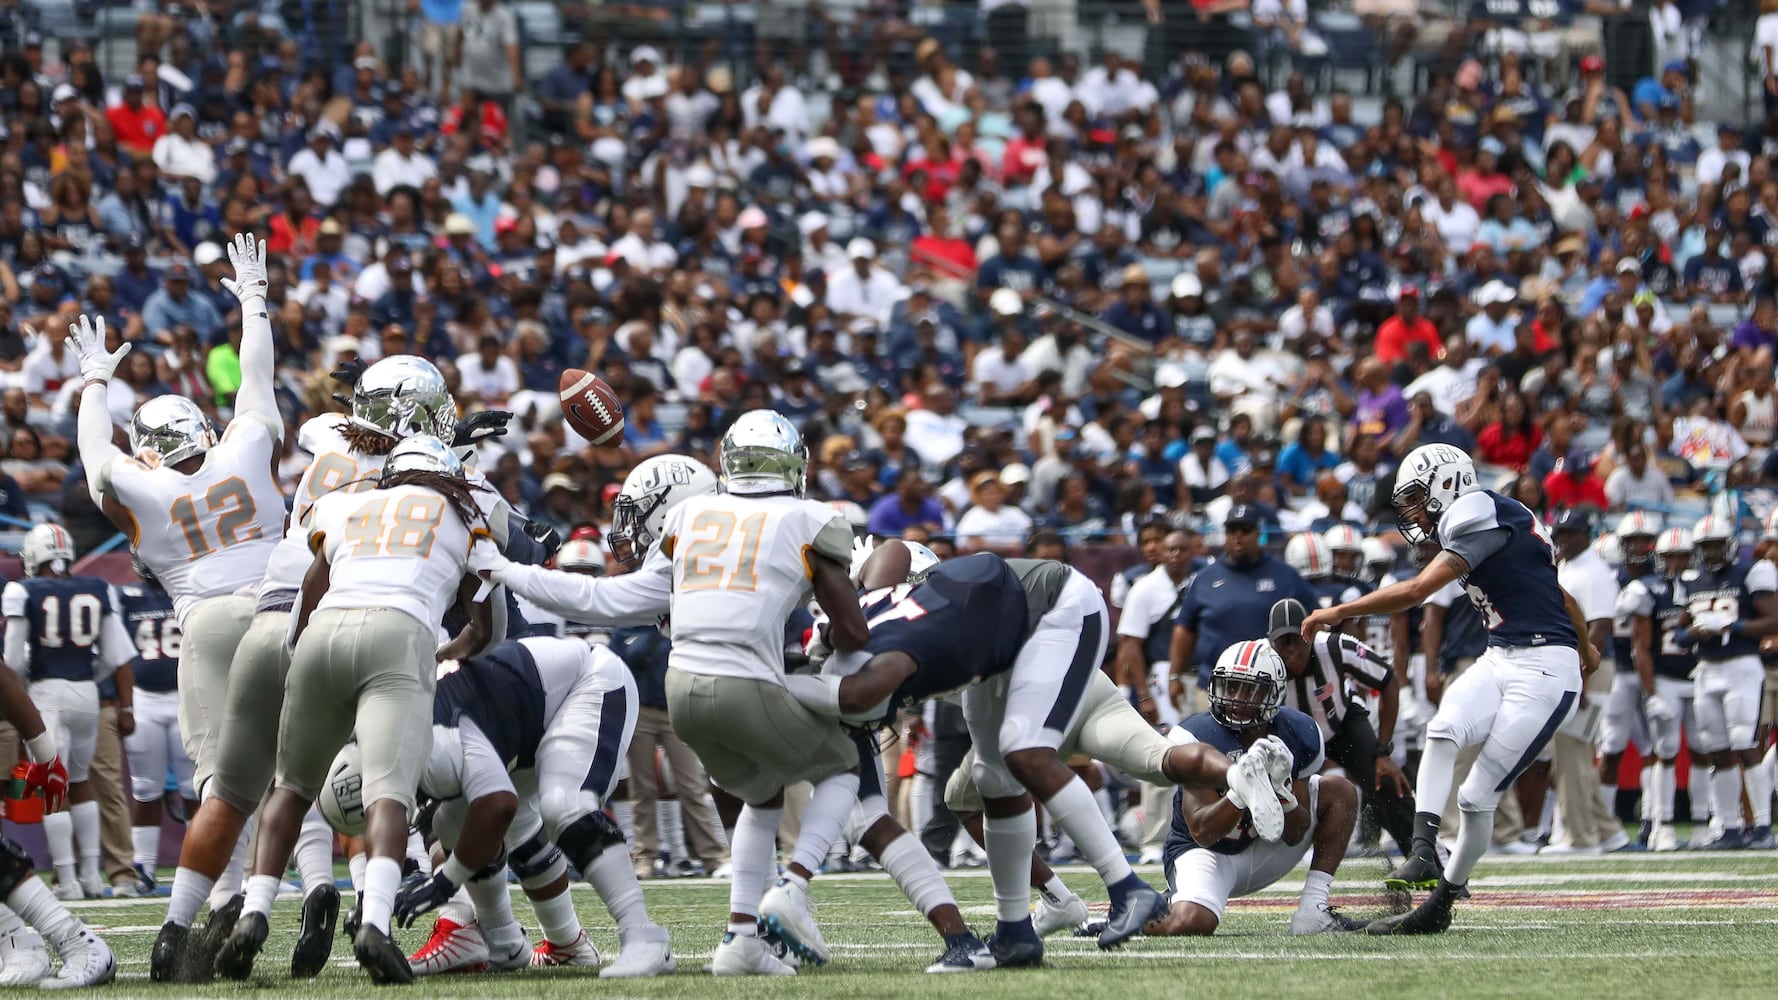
<point>210,533</point>
<point>148,618</point>
<point>740,566</point>
<point>1729,591</point>
<point>64,617</point>
<point>1514,585</point>
<point>1300,736</point>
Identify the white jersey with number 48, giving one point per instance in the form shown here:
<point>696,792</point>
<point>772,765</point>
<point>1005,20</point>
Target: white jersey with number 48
<point>335,467</point>
<point>741,565</point>
<point>403,548</point>
<point>211,533</point>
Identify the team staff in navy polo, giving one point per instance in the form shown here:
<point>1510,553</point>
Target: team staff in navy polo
<point>1228,601</point>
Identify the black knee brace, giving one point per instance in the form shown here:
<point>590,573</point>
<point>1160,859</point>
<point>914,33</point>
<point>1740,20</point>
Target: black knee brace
<point>15,866</point>
<point>493,869</point>
<point>587,837</point>
<point>537,862</point>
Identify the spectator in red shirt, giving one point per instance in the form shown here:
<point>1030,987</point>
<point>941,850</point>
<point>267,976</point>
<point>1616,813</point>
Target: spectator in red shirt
<point>136,123</point>
<point>1573,483</point>
<point>487,118</point>
<point>1406,327</point>
<point>1484,180</point>
<point>1510,440</point>
<point>942,245</point>
<point>1027,152</point>
<point>295,229</point>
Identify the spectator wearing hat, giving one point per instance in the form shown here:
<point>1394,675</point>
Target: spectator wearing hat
<point>175,304</point>
<point>990,524</point>
<point>1492,330</point>
<point>402,164</point>
<point>1712,161</point>
<point>180,153</point>
<point>137,124</point>
<point>1227,601</point>
<point>1001,374</point>
<point>321,166</point>
<point>1406,326</point>
<point>1573,483</point>
<point>1134,311</point>
<point>1671,86</point>
<point>561,498</point>
<point>863,291</point>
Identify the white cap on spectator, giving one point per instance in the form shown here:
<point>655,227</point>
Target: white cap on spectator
<point>699,175</point>
<point>1495,292</point>
<point>861,248</point>
<point>458,224</point>
<point>1186,285</point>
<point>560,481</point>
<point>365,62</point>
<point>343,343</point>
<point>810,222</point>
<point>1005,302</point>
<point>1169,377</point>
<point>1629,265</point>
<point>1015,474</point>
<point>644,53</point>
<point>64,92</point>
<point>823,147</point>
<point>752,217</point>
<point>206,253</point>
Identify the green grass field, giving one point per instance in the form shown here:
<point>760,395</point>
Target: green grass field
<point>1668,925</point>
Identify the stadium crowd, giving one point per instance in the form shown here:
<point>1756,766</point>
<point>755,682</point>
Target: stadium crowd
<point>1015,302</point>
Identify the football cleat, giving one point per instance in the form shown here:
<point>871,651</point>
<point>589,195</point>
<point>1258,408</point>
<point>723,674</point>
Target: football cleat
<point>164,960</point>
<point>1663,839</point>
<point>92,888</point>
<point>1759,839</point>
<point>788,912</point>
<point>1730,840</point>
<point>581,952</point>
<point>69,892</point>
<point>509,956</point>
<point>1416,872</point>
<point>1012,946</point>
<point>381,958</point>
<point>23,959</point>
<point>746,955</point>
<point>355,919</point>
<point>961,955</point>
<point>1128,917</point>
<point>1430,917</point>
<point>649,953</point>
<point>314,943</point>
<point>235,960</point>
<point>453,947</point>
<point>1049,918</point>
<point>86,962</point>
<point>1324,919</point>
<point>1618,841</point>
<point>1252,783</point>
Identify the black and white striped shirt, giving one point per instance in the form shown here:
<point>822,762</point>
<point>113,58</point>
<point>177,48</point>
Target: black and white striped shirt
<point>1340,668</point>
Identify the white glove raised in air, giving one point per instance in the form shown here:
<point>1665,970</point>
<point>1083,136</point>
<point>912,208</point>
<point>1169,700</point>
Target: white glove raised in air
<point>248,257</point>
<point>862,547</point>
<point>87,340</point>
<point>1659,709</point>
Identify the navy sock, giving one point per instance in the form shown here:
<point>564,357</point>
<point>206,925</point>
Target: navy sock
<point>1015,930</point>
<point>1124,886</point>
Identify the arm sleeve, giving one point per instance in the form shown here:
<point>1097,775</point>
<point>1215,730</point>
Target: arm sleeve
<point>1475,546</point>
<point>834,541</point>
<point>638,598</point>
<point>18,646</point>
<point>256,398</point>
<point>484,773</point>
<point>12,600</point>
<point>94,433</point>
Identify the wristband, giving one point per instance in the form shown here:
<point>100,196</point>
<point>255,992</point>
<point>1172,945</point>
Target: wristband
<point>1737,630</point>
<point>41,747</point>
<point>455,872</point>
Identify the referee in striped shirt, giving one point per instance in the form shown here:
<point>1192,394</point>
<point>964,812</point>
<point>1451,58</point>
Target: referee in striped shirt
<point>1326,681</point>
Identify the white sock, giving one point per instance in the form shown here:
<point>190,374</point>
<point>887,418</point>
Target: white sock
<point>228,885</point>
<point>1315,888</point>
<point>261,891</point>
<point>492,902</point>
<point>919,803</point>
<point>40,908</point>
<point>753,857</point>
<point>615,881</point>
<point>1698,787</point>
<point>9,921</point>
<point>355,866</point>
<point>561,925</point>
<point>314,852</point>
<point>189,889</point>
<point>1078,815</point>
<point>1759,792</point>
<point>1438,765</point>
<point>86,838</point>
<point>1474,832</point>
<point>1660,783</point>
<point>1725,796</point>
<point>1552,821</point>
<point>906,861</point>
<point>1010,841</point>
<point>1056,891</point>
<point>1608,798</point>
<point>624,813</point>
<point>416,849</point>
<point>460,909</point>
<point>671,821</point>
<point>824,817</point>
<point>382,878</point>
<point>717,830</point>
<point>146,841</point>
<point>58,829</point>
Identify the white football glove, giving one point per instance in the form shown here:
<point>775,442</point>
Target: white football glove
<point>1659,709</point>
<point>486,562</point>
<point>862,547</point>
<point>87,340</point>
<point>248,257</point>
<point>1713,622</point>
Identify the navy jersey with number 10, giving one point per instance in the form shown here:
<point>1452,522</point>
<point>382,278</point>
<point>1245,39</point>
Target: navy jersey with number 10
<point>1513,580</point>
<point>65,617</point>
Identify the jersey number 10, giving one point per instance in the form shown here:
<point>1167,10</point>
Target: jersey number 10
<point>83,621</point>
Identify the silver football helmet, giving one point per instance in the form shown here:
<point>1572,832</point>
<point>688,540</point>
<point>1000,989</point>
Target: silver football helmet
<point>921,561</point>
<point>1247,685</point>
<point>763,454</point>
<point>47,545</point>
<point>581,555</point>
<point>342,795</point>
<point>1430,480</point>
<point>404,395</point>
<point>422,453</point>
<point>649,492</point>
<point>171,427</point>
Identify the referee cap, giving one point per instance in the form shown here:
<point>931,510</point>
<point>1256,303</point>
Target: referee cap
<point>1286,618</point>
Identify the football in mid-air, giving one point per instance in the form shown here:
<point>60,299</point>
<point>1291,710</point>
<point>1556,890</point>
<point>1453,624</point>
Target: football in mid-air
<point>592,408</point>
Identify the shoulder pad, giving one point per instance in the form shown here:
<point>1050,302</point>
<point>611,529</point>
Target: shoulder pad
<point>1761,577</point>
<point>1472,512</point>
